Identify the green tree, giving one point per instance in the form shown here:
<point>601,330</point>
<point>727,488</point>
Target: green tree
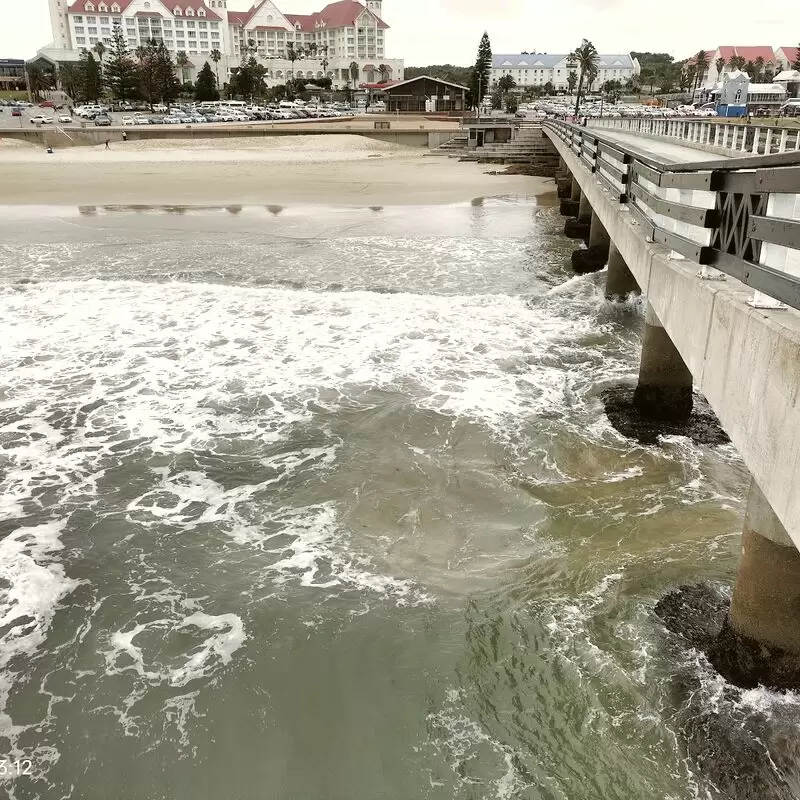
<point>90,73</point>
<point>482,71</point>
<point>612,89</point>
<point>182,60</point>
<point>720,65</point>
<point>737,62</point>
<point>796,63</point>
<point>586,58</point>
<point>549,88</point>
<point>167,85</point>
<point>71,78</point>
<point>216,56</point>
<point>383,71</point>
<point>100,49</point>
<point>354,73</point>
<point>447,72</point>
<point>247,80</point>
<point>759,65</point>
<point>121,75</point>
<point>39,80</point>
<point>750,69</point>
<point>205,87</point>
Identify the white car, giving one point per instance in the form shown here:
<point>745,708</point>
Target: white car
<point>41,119</point>
<point>140,119</point>
<point>65,119</point>
<point>128,120</point>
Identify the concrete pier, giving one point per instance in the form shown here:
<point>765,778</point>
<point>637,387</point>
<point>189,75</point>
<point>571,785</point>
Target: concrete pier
<point>564,188</point>
<point>760,642</point>
<point>664,391</point>
<point>576,190</point>
<point>620,281</point>
<point>594,258</point>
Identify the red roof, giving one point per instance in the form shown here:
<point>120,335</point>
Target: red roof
<point>78,7</point>
<point>792,52</point>
<point>747,53</point>
<point>193,4</point>
<point>334,15</point>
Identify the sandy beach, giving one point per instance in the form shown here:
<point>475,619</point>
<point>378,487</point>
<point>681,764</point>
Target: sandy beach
<point>340,170</point>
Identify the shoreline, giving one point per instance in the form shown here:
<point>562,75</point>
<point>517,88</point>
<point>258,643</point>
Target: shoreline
<point>352,171</point>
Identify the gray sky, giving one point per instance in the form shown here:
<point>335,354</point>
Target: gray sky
<point>425,32</point>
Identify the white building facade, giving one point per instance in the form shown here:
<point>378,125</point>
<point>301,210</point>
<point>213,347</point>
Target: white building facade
<point>343,33</point>
<point>536,69</point>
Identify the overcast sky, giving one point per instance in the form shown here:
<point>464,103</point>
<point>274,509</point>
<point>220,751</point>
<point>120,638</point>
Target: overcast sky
<point>425,32</point>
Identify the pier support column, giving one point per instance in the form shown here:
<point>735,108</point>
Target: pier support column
<point>576,190</point>
<point>620,281</point>
<point>760,641</point>
<point>565,186</point>
<point>584,209</point>
<point>664,392</point>
<point>594,258</point>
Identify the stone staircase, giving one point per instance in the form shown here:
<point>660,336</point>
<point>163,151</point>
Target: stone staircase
<point>529,146</point>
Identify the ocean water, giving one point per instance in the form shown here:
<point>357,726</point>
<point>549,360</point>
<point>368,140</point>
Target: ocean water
<point>320,503</point>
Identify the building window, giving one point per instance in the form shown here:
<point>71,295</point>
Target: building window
<point>178,23</point>
<point>78,20</point>
<point>89,7</point>
<point>92,20</point>
<point>80,39</point>
<point>104,20</point>
<point>215,26</point>
<point>190,24</point>
<point>92,30</point>
<point>92,40</point>
<point>79,29</point>
<point>167,23</point>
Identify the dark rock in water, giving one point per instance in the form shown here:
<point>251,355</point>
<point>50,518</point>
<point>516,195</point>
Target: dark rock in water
<point>748,664</point>
<point>695,612</point>
<point>702,426</point>
<point>738,751</point>
<point>664,403</point>
<point>574,229</point>
<point>593,259</point>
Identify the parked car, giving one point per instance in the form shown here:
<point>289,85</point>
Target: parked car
<point>16,112</point>
<point>47,104</point>
<point>41,119</point>
<point>128,120</point>
<point>65,119</point>
<point>141,119</point>
<point>102,120</point>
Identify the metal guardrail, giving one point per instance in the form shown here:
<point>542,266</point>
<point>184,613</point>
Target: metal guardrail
<point>738,138</point>
<point>740,216</point>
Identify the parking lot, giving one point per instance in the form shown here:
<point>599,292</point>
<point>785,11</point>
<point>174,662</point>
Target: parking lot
<point>129,118</point>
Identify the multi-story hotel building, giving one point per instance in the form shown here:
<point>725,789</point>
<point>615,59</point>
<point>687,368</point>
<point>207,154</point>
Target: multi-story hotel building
<point>537,69</point>
<point>343,33</point>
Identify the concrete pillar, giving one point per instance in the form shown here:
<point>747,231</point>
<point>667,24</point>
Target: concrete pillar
<point>620,281</point>
<point>564,187</point>
<point>584,210</point>
<point>576,190</point>
<point>593,259</point>
<point>664,391</point>
<point>598,236</point>
<point>766,598</point>
<point>760,640</point>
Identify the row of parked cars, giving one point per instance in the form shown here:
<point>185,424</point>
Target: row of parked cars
<point>195,115</point>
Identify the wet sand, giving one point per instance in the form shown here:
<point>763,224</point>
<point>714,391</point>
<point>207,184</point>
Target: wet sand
<point>346,170</point>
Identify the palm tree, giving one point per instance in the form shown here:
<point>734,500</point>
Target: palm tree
<point>720,65</point>
<point>384,72</point>
<point>182,60</point>
<point>586,58</point>
<point>216,56</point>
<point>506,84</point>
<point>354,72</point>
<point>701,65</point>
<point>750,69</point>
<point>759,65</point>
<point>572,81</point>
<point>294,54</point>
<point>737,62</point>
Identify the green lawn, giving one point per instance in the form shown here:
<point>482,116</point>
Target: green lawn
<point>8,95</point>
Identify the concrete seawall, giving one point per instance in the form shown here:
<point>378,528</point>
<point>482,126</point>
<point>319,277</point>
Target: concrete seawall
<point>90,136</point>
